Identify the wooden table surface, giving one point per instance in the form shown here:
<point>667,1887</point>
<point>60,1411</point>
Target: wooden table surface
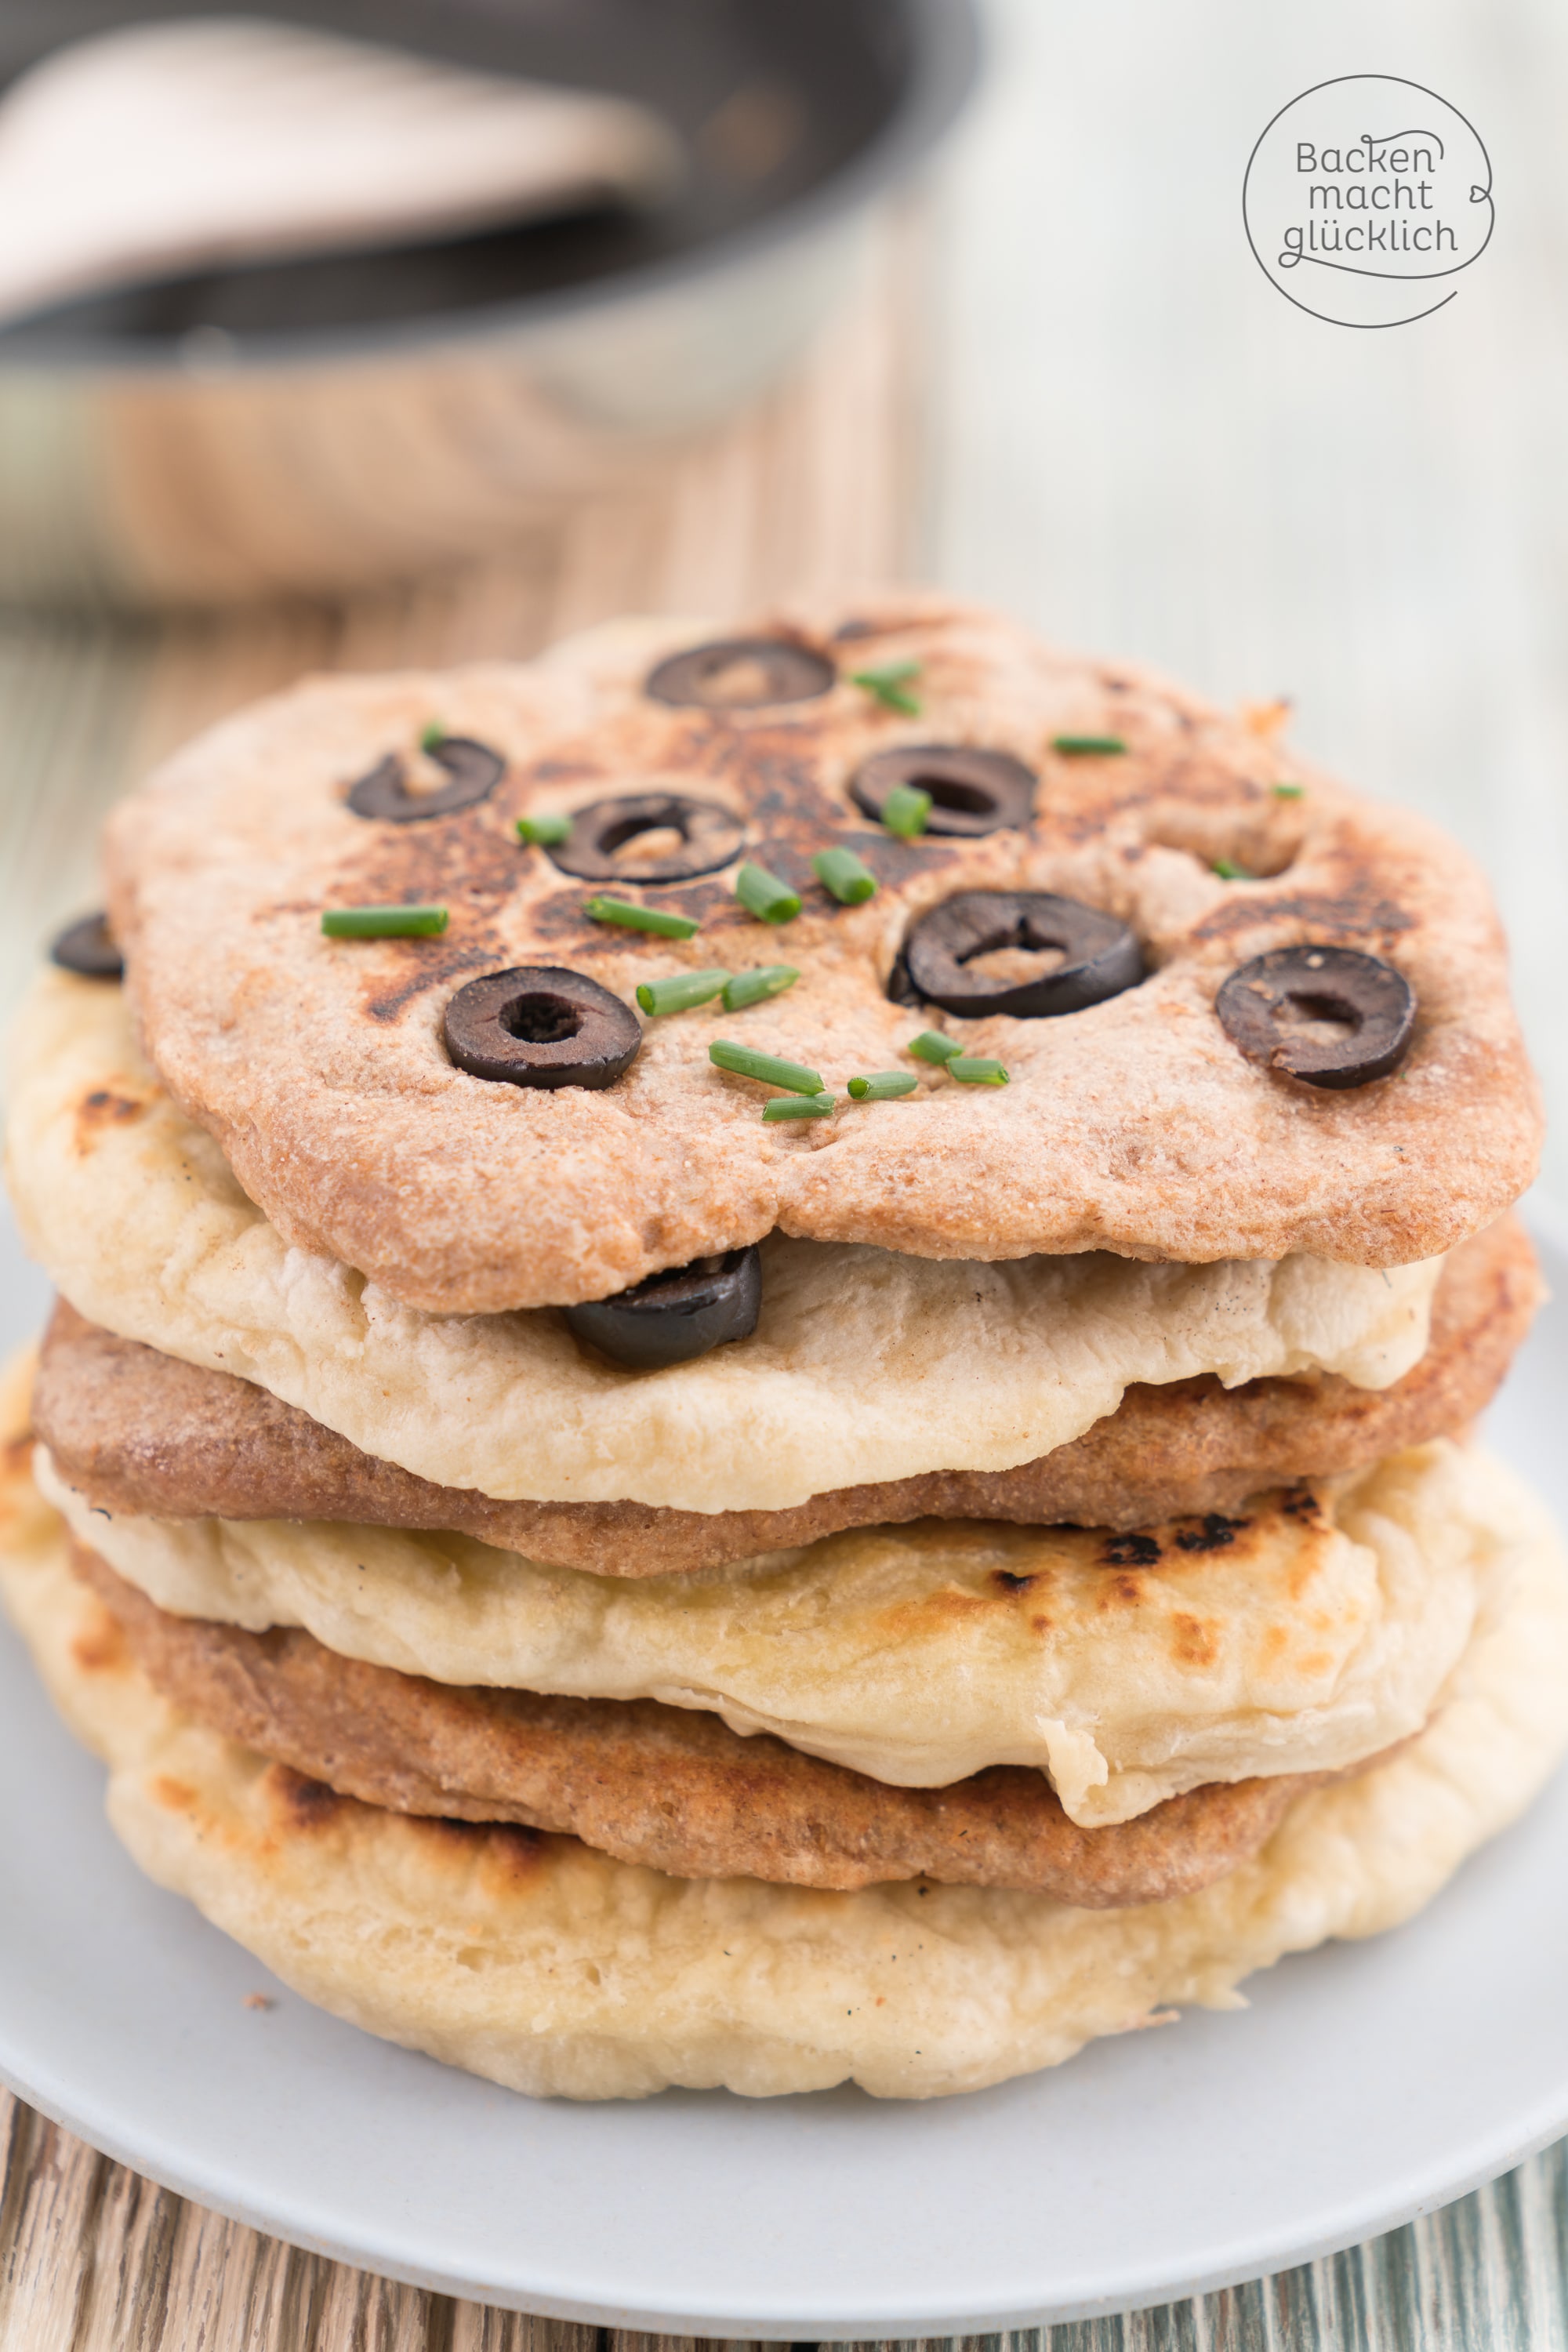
<point>824,484</point>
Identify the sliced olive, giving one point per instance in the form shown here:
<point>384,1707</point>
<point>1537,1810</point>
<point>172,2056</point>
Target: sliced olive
<point>742,673</point>
<point>540,1026</point>
<point>1278,1007</point>
<point>86,948</point>
<point>971,791</point>
<point>676,1314</point>
<point>474,768</point>
<point>1100,955</point>
<point>710,838</point>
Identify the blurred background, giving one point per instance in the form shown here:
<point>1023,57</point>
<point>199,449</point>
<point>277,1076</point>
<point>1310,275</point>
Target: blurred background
<point>1142,447</point>
<point>796,306</point>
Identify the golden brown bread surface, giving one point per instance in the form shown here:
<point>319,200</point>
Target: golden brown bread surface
<point>140,1431</point>
<point>1135,1126</point>
<point>540,1963</point>
<point>666,1785</point>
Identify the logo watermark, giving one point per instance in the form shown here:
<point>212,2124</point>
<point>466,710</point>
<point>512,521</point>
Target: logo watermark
<point>1364,197</point>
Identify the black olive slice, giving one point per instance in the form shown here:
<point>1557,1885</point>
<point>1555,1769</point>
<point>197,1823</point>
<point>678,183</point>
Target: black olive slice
<point>742,673</point>
<point>676,1314</point>
<point>86,948</point>
<point>1100,956</point>
<point>1373,1005</point>
<point>710,838</point>
<point>971,791</point>
<point>540,1026</point>
<point>474,768</point>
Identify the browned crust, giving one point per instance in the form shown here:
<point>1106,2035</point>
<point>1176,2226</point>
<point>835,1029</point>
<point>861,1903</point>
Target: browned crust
<point>138,1432</point>
<point>665,1786</point>
<point>1135,1126</point>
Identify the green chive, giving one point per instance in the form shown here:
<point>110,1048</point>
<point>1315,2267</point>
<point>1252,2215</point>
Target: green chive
<point>883,1086</point>
<point>538,832</point>
<point>931,1045</point>
<point>840,872</point>
<point>432,736</point>
<point>905,811</point>
<point>890,683</point>
<point>1229,871</point>
<point>793,1077</point>
<point>640,919</point>
<point>972,1071</point>
<point>764,895</point>
<point>799,1107</point>
<point>1289,792</point>
<point>753,987</point>
<point>384,922</point>
<point>1088,746</point>
<point>681,992</point>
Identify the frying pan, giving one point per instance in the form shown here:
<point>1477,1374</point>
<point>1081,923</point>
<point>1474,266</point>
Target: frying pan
<point>322,424</point>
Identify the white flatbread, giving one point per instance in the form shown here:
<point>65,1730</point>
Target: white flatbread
<point>867,1365</point>
<point>1293,1641</point>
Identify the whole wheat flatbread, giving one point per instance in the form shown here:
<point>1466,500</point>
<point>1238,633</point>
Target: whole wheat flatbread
<point>663,1786</point>
<point>1135,1125</point>
<point>138,1431</point>
<point>1304,1637</point>
<point>553,1970</point>
<point>866,1364</point>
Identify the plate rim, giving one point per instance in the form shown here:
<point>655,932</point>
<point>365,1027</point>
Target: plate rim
<point>715,2321</point>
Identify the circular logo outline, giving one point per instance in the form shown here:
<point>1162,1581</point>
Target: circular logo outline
<point>1413,277</point>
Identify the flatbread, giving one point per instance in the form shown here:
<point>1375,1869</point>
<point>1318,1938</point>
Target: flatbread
<point>661,1785</point>
<point>141,1433</point>
<point>1302,1638</point>
<point>553,1970</point>
<point>866,1365</point>
<point>1135,1125</point>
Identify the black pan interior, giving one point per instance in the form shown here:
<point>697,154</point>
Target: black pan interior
<point>773,98</point>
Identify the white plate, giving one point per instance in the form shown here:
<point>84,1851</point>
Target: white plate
<point>1365,2084</point>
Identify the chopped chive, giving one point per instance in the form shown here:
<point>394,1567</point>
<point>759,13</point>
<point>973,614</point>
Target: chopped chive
<point>1229,871</point>
<point>432,736</point>
<point>1289,792</point>
<point>1088,746</point>
<point>793,1077</point>
<point>600,909</point>
<point>905,811</point>
<point>538,832</point>
<point>764,895</point>
<point>681,992</point>
<point>799,1107</point>
<point>883,1085</point>
<point>384,922</point>
<point>840,872</point>
<point>973,1070</point>
<point>890,683</point>
<point>755,987</point>
<point>931,1045</point>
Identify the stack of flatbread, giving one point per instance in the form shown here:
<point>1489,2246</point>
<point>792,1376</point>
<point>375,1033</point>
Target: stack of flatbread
<point>605,1551</point>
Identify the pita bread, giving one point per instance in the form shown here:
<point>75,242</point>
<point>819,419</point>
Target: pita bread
<point>1135,1126</point>
<point>662,1785</point>
<point>865,1365</point>
<point>141,1433</point>
<point>1303,1638</point>
<point>553,1970</point>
